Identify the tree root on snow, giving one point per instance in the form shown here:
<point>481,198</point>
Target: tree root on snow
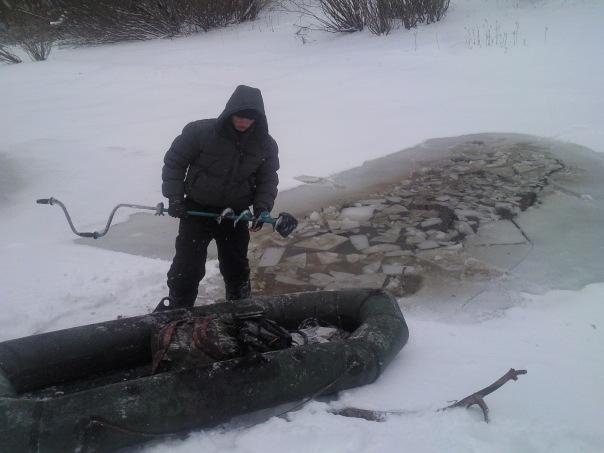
<point>476,398</point>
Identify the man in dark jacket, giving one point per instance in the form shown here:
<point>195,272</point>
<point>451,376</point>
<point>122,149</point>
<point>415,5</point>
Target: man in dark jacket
<point>226,162</point>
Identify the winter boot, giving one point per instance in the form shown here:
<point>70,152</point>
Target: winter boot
<point>237,290</point>
<point>172,303</point>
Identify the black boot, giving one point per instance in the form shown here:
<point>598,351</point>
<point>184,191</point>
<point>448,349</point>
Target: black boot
<point>171,303</point>
<point>167,303</point>
<point>237,290</point>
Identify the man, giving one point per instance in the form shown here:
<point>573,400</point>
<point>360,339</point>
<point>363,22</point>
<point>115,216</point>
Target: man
<point>226,162</point>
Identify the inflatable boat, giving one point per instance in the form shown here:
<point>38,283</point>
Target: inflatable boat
<point>91,388</point>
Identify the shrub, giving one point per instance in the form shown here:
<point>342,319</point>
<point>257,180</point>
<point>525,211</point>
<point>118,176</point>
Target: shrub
<point>7,56</point>
<point>38,48</point>
<point>35,24</point>
<point>208,14</point>
<point>106,21</point>
<point>379,16</point>
<point>28,24</point>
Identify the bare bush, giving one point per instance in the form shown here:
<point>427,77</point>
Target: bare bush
<point>379,16</point>
<point>109,21</point>
<point>28,24</point>
<point>106,21</point>
<point>36,23</point>
<point>336,16</point>
<point>408,12</point>
<point>434,10</point>
<point>249,9</point>
<point>207,14</point>
<point>37,48</point>
<point>6,56</point>
<point>345,15</point>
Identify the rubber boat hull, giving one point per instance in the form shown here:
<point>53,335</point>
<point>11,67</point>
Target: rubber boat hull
<point>89,388</point>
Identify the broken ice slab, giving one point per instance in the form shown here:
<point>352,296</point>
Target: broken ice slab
<point>414,240</point>
<point>384,238</point>
<point>427,245</point>
<point>399,253</point>
<point>359,241</point>
<point>344,224</point>
<point>297,260</point>
<point>394,284</point>
<point>381,248</point>
<point>315,216</point>
<point>290,280</point>
<point>372,267</point>
<point>463,228</point>
<point>271,256</point>
<point>354,257</point>
<point>326,258</point>
<point>318,180</point>
<point>325,241</point>
<point>307,179</point>
<point>374,281</point>
<point>358,213</point>
<point>319,279</point>
<point>342,275</point>
<point>395,209</point>
<point>334,225</point>
<point>392,269</point>
<point>468,213</point>
<point>436,235</point>
<point>348,224</point>
<point>497,233</point>
<point>435,221</point>
<point>526,168</point>
<point>372,201</point>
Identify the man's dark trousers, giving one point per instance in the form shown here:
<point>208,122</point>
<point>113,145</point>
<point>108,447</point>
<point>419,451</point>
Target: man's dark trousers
<point>188,266</point>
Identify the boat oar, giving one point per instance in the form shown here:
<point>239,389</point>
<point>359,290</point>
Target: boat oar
<point>285,224</point>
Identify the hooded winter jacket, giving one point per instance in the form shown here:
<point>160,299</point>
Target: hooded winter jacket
<point>216,166</point>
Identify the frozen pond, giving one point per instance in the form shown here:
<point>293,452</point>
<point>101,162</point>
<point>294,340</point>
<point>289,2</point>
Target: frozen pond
<point>566,244</point>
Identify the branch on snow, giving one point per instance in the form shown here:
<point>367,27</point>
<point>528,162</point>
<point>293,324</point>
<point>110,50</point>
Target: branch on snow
<point>476,398</point>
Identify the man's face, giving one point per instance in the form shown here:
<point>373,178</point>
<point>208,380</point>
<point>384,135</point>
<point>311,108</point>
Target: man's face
<point>242,124</point>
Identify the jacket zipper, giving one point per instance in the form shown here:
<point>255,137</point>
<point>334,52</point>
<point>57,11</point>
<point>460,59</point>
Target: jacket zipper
<point>237,157</point>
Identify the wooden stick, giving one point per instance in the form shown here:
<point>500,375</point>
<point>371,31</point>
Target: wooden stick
<point>476,398</point>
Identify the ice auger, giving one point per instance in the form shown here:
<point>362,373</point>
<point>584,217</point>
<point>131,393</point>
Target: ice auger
<point>284,224</point>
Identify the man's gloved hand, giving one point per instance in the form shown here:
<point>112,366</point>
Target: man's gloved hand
<point>257,222</point>
<point>176,207</point>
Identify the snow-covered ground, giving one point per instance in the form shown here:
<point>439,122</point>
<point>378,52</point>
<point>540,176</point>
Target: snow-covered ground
<point>90,127</point>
